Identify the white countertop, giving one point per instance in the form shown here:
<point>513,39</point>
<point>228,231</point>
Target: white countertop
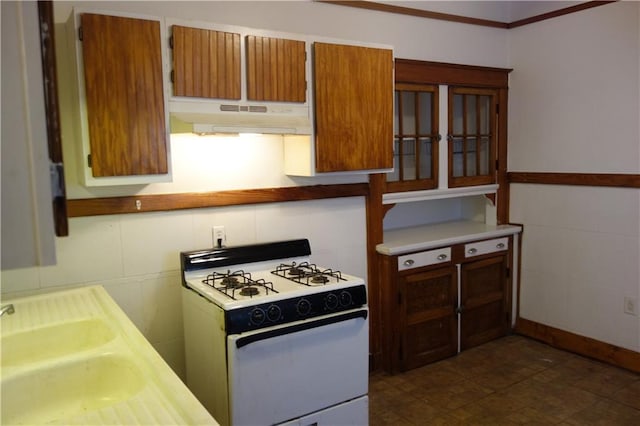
<point>424,237</point>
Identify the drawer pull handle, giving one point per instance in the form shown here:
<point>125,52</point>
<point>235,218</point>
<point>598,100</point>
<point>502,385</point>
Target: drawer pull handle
<point>472,250</point>
<point>500,245</point>
<point>442,256</point>
<point>409,262</point>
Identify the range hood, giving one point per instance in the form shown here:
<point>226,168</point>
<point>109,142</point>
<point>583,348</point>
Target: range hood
<point>220,116</point>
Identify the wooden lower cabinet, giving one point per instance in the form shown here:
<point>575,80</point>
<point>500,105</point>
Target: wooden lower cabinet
<point>432,312</point>
<point>484,301</point>
<point>429,321</point>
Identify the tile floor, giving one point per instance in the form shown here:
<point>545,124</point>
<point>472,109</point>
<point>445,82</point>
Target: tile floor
<point>513,380</point>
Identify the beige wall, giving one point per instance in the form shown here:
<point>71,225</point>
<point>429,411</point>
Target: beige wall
<point>575,107</point>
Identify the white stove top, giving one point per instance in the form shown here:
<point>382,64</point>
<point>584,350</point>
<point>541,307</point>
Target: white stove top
<point>284,288</point>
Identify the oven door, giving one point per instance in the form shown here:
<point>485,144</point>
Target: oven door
<point>282,373</point>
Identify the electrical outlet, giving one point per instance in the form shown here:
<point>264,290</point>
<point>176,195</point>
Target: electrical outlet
<point>630,306</point>
<point>219,236</point>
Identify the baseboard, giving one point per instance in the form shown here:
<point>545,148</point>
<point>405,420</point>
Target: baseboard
<point>581,345</point>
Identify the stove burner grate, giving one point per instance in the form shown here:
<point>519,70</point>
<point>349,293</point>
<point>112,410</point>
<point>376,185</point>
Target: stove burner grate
<point>307,274</point>
<point>236,283</point>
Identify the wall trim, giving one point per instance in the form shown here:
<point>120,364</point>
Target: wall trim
<point>581,345</point>
<point>167,202</point>
<point>420,13</point>
<point>383,7</point>
<point>559,12</point>
<point>622,180</point>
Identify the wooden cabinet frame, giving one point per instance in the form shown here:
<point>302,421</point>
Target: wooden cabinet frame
<point>428,73</point>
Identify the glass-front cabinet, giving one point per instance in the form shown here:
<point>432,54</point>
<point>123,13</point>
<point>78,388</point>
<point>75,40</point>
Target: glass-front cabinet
<point>469,119</point>
<point>450,129</point>
<point>416,137</point>
<point>472,136</point>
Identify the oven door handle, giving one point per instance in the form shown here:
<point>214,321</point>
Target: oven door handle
<point>244,341</point>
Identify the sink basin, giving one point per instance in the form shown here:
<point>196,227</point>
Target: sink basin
<point>65,390</point>
<point>54,341</point>
<point>74,357</point>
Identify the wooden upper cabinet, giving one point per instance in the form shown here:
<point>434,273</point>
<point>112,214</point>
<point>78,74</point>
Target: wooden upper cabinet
<point>474,122</point>
<point>276,69</point>
<point>353,107</point>
<point>206,63</point>
<point>124,95</point>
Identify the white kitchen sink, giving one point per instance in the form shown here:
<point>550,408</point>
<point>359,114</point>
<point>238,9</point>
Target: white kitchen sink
<point>54,341</point>
<point>64,390</point>
<point>73,357</point>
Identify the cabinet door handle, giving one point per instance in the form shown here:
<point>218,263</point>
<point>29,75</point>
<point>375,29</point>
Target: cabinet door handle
<point>472,250</point>
<point>500,245</point>
<point>442,256</point>
<point>409,262</point>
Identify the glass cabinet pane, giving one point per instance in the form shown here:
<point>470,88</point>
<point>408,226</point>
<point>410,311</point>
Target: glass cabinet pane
<point>426,157</point>
<point>425,105</point>
<point>485,114</point>
<point>458,114</point>
<point>408,113</point>
<point>458,157</point>
<point>408,170</point>
<point>416,136</point>
<point>471,157</point>
<point>483,153</point>
<point>472,136</point>
<point>471,113</point>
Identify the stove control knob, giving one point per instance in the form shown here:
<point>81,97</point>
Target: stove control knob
<point>303,307</point>
<point>345,298</point>
<point>331,301</point>
<point>257,316</point>
<point>273,313</point>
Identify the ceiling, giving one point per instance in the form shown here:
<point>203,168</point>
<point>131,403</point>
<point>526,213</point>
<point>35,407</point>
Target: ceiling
<point>501,11</point>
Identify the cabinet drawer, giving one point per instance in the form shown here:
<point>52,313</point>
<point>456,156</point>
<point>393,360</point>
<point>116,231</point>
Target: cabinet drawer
<point>425,258</point>
<point>484,247</point>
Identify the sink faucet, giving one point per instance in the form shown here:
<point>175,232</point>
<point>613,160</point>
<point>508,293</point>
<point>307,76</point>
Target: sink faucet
<point>7,309</point>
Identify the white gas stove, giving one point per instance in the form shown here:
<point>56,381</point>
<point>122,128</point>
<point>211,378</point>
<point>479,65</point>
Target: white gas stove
<point>264,324</point>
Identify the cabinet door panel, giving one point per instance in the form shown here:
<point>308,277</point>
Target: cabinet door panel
<point>353,107</point>
<point>482,324</point>
<point>484,301</point>
<point>206,63</point>
<point>275,69</point>
<point>124,94</point>
<point>430,322</point>
<point>415,138</point>
<point>472,136</point>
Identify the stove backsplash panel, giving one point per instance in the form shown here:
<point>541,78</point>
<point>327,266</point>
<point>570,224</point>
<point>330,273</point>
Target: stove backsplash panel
<point>136,256</point>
